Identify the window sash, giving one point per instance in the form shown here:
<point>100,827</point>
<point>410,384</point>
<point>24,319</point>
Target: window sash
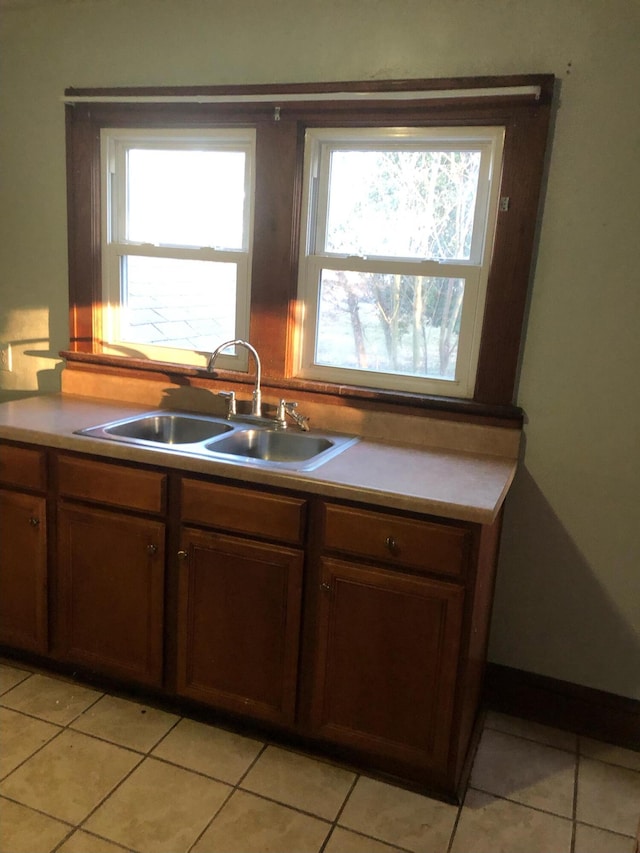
<point>321,143</point>
<point>115,145</point>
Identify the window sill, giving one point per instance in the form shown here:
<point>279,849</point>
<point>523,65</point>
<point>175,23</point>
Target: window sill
<point>448,407</point>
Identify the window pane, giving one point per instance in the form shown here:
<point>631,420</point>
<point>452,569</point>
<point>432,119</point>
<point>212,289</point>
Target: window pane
<point>186,198</point>
<point>175,303</point>
<point>399,324</point>
<point>401,203</point>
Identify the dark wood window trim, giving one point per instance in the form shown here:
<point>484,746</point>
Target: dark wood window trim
<point>278,191</point>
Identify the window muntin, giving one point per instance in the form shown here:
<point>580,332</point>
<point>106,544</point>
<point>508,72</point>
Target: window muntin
<point>397,235</point>
<point>177,238</point>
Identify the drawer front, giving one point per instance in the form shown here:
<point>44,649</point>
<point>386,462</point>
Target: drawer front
<point>115,485</point>
<point>23,467</point>
<point>238,510</point>
<point>405,542</point>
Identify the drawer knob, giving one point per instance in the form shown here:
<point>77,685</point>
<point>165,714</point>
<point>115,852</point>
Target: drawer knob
<point>325,587</point>
<point>33,521</point>
<point>182,555</point>
<point>391,544</point>
<point>152,549</point>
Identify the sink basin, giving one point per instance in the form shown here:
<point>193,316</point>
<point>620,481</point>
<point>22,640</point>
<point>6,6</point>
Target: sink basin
<point>272,445</point>
<point>217,439</point>
<point>161,429</point>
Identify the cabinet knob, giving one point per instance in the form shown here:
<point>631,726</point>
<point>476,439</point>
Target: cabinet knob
<point>152,549</point>
<point>391,544</point>
<point>33,521</point>
<point>325,587</point>
<point>182,555</point>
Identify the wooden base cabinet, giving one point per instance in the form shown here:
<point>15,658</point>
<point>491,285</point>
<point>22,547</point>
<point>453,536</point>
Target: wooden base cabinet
<point>23,549</point>
<point>23,571</point>
<point>111,569</point>
<point>387,654</point>
<point>239,599</point>
<point>401,617</point>
<point>239,624</point>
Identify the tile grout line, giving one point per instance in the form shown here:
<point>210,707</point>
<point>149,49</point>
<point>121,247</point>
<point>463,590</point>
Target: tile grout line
<point>233,790</point>
<point>533,740</point>
<point>334,823</point>
<point>456,822</point>
<point>519,803</point>
<point>574,810</point>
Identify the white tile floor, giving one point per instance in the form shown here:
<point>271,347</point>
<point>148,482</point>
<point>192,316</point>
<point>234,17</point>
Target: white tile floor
<point>85,772</point>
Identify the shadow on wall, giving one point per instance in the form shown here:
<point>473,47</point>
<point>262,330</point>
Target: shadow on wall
<point>47,379</point>
<point>551,615</point>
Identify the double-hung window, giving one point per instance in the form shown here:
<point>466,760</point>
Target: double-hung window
<point>372,240</point>
<point>177,215</point>
<point>397,236</point>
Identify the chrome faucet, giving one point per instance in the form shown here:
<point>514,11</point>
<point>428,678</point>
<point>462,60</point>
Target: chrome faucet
<point>256,403</point>
<point>256,416</point>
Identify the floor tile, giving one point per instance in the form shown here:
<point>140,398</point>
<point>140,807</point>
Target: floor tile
<point>250,824</point>
<point>84,842</point>
<point>10,676</point>
<point>530,773</point>
<point>530,730</point>
<point>345,841</point>
<point>608,796</point>
<point>50,699</point>
<point>24,831</point>
<point>125,723</point>
<point>592,840</point>
<point>159,808</point>
<point>209,750</point>
<point>609,753</point>
<point>491,825</point>
<point>20,737</point>
<point>69,776</point>
<point>296,780</point>
<point>399,817</point>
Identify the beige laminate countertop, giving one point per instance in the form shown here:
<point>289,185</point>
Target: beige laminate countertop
<point>450,483</point>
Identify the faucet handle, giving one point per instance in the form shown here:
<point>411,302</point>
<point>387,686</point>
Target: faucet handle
<point>230,397</point>
<point>286,408</point>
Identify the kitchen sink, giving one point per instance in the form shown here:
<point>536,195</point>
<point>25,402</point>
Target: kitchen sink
<point>218,439</point>
<point>161,429</point>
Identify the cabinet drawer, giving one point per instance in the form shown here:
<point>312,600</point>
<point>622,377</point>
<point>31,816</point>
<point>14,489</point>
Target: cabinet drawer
<point>115,485</point>
<point>23,467</point>
<point>407,542</point>
<point>243,511</point>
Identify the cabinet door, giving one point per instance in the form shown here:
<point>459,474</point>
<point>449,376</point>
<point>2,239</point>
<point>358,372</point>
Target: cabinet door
<point>239,624</point>
<point>387,662</point>
<point>23,571</point>
<point>111,586</point>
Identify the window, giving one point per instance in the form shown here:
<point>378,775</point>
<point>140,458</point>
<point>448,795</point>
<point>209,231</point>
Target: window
<point>372,240</point>
<point>176,235</point>
<point>398,225</point>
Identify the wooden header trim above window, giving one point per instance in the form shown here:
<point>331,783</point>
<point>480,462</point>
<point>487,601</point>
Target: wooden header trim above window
<point>529,87</point>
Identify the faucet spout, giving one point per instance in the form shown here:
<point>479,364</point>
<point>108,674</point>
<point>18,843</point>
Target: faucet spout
<point>256,403</point>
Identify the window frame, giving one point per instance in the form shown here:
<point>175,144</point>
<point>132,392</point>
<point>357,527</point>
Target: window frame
<point>320,143</point>
<point>280,115</point>
<point>115,144</point>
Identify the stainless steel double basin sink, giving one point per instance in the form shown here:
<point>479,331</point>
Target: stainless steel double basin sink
<point>221,440</point>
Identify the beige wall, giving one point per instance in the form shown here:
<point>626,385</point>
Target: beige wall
<point>568,598</point>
